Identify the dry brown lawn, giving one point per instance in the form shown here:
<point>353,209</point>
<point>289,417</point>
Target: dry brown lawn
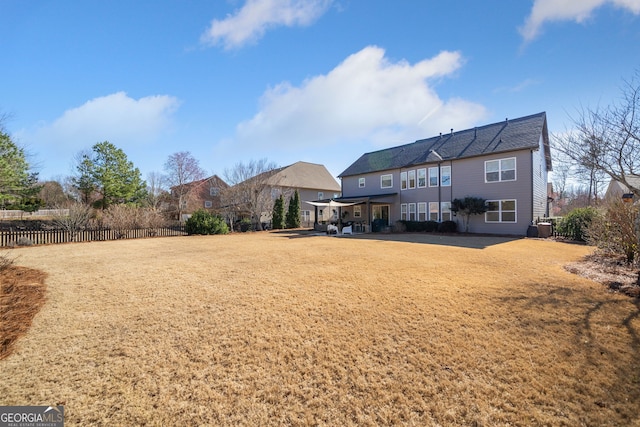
<point>284,329</point>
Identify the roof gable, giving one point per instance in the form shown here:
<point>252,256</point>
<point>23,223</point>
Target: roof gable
<point>510,135</point>
<point>304,175</point>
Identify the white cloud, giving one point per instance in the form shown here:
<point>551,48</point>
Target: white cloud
<point>568,10</point>
<point>113,117</point>
<point>126,122</point>
<point>365,98</point>
<point>257,16</point>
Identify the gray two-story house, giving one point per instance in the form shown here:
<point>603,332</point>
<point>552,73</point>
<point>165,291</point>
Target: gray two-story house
<point>505,163</point>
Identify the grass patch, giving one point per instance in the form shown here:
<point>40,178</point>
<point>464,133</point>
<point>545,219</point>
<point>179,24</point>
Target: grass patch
<point>265,329</point>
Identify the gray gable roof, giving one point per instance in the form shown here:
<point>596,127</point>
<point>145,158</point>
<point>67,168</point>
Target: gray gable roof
<point>510,135</point>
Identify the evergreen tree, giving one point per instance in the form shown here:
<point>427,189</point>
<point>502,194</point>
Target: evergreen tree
<point>293,213</point>
<point>18,187</point>
<point>108,172</point>
<point>277,219</point>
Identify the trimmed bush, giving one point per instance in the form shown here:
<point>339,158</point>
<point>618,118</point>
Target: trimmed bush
<point>203,222</point>
<point>575,224</point>
<point>447,227</point>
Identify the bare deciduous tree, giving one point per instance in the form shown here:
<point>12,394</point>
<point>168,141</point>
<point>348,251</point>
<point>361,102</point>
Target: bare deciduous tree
<point>248,191</point>
<point>606,141</point>
<point>181,169</point>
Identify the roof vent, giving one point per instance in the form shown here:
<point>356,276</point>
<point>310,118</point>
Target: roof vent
<point>475,132</point>
<point>440,135</point>
<point>451,131</point>
<point>506,120</point>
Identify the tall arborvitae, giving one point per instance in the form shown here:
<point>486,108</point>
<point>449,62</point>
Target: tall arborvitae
<point>293,213</point>
<point>277,219</point>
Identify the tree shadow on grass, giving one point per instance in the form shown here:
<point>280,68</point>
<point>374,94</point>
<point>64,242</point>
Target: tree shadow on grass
<point>470,241</point>
<point>604,348</point>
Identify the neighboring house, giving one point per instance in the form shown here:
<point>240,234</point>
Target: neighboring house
<point>505,163</point>
<point>202,194</point>
<point>313,181</point>
<point>616,189</point>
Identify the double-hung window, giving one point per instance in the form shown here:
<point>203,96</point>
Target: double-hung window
<point>422,178</point>
<point>500,211</point>
<point>422,211</point>
<point>500,170</point>
<point>445,176</point>
<point>412,179</point>
<point>403,212</point>
<point>445,211</point>
<point>386,181</point>
<point>433,177</point>
<point>433,211</point>
<point>360,182</point>
<point>412,211</point>
<point>403,180</point>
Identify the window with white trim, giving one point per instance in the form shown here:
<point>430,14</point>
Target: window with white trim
<point>500,170</point>
<point>445,211</point>
<point>403,212</point>
<point>320,195</point>
<point>412,211</point>
<point>386,181</point>
<point>422,178</point>
<point>208,204</point>
<point>360,182</point>
<point>214,191</point>
<point>305,216</point>
<point>433,177</point>
<point>433,211</point>
<point>445,176</point>
<point>500,211</point>
<point>422,211</point>
<point>403,180</point>
<point>357,211</point>
<point>412,179</point>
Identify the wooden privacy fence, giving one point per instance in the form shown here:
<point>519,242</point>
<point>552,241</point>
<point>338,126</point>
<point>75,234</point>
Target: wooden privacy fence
<point>43,237</point>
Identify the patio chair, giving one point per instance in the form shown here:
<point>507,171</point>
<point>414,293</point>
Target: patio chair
<point>347,230</point>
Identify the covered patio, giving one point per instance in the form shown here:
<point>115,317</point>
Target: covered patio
<point>348,211</point>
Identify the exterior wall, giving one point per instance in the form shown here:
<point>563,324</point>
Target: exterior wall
<point>539,183</point>
<point>467,179</point>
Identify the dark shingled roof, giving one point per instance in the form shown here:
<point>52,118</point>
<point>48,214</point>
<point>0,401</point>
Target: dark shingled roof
<point>509,135</point>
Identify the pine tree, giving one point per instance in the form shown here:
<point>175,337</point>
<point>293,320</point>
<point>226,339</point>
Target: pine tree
<point>277,219</point>
<point>293,213</point>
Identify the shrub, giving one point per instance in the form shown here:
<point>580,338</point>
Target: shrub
<point>431,226</point>
<point>447,227</point>
<point>203,222</point>
<point>5,262</point>
<point>615,231</point>
<point>574,225</point>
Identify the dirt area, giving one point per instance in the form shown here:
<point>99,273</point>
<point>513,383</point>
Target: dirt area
<point>278,328</point>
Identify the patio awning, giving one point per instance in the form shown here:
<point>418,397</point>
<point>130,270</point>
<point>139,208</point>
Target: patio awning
<point>331,203</point>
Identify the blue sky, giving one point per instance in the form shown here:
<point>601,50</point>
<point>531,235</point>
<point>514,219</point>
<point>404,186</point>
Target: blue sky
<point>322,81</point>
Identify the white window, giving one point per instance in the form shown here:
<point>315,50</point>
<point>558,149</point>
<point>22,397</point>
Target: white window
<point>208,203</point>
<point>386,181</point>
<point>305,216</point>
<point>500,211</point>
<point>275,193</point>
<point>422,211</point>
<point>361,182</point>
<point>357,211</point>
<point>403,180</point>
<point>445,211</point>
<point>433,177</point>
<point>403,212</point>
<point>422,178</point>
<point>433,211</point>
<point>500,170</point>
<point>214,191</point>
<point>320,195</point>
<point>412,211</point>
<point>412,179</point>
<point>445,176</point>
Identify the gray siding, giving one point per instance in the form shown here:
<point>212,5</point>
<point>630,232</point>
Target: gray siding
<point>539,182</point>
